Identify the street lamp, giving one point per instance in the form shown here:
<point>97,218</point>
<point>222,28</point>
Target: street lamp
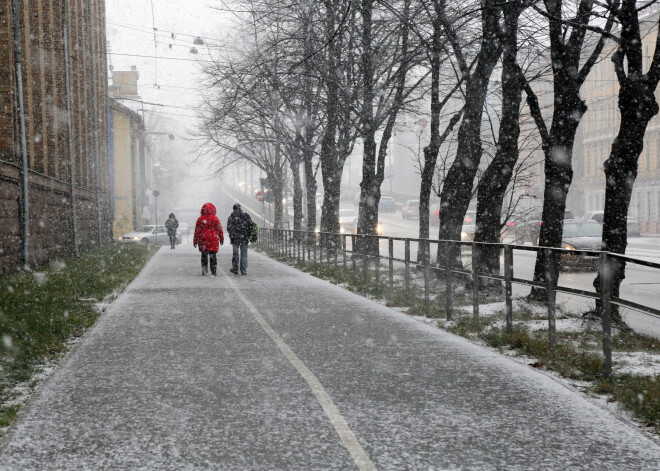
<point>156,193</point>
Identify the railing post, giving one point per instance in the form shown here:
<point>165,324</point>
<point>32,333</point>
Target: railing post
<point>448,279</point>
<point>550,291</point>
<point>606,306</point>
<point>407,272</point>
<point>427,263</point>
<point>335,239</point>
<point>508,291</point>
<point>321,237</point>
<point>365,260</point>
<point>353,260</point>
<point>390,256</point>
<point>343,249</point>
<point>475,284</point>
<point>314,239</point>
<point>377,267</point>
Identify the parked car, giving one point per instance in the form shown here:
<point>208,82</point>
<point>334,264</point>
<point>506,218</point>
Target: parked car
<point>410,209</point>
<point>347,221</point>
<point>386,204</point>
<point>148,234</point>
<point>581,235</point>
<point>631,222</point>
<point>183,229</point>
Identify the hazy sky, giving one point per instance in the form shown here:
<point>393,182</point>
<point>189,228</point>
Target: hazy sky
<point>130,32</point>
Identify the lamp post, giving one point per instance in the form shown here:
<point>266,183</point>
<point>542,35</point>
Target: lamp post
<point>156,193</point>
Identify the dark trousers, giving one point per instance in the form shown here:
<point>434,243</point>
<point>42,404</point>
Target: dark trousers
<point>239,255</point>
<point>172,240</point>
<point>213,262</point>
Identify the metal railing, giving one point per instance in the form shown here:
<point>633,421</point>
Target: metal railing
<point>311,247</point>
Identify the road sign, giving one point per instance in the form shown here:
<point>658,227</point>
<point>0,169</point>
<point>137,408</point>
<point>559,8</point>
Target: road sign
<point>260,196</point>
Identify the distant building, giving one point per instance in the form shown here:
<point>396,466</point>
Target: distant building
<point>599,128</point>
<point>126,145</point>
<point>49,190</point>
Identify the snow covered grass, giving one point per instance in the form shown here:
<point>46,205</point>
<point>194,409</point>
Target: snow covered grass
<point>577,356</point>
<point>40,312</point>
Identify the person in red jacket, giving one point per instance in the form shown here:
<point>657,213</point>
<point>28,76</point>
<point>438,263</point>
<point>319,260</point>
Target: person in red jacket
<point>208,236</point>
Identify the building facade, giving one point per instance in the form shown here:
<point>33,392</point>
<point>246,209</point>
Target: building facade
<point>55,149</point>
<point>127,168</point>
<point>599,128</point>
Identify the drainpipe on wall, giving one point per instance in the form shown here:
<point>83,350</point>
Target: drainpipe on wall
<point>67,86</point>
<point>95,130</point>
<point>16,17</point>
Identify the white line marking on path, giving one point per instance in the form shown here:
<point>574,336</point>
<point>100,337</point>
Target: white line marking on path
<point>346,435</point>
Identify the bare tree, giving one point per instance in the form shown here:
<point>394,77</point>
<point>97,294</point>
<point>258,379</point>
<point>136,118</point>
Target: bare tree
<point>457,188</point>
<point>569,73</point>
<point>493,185</point>
<point>637,105</point>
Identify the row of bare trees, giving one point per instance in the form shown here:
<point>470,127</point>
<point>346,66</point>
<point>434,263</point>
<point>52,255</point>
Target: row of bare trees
<point>303,81</point>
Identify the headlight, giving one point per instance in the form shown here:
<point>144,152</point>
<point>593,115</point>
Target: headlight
<point>136,238</point>
<point>463,234</point>
<point>379,229</point>
<point>317,230</point>
<point>568,247</point>
<point>342,230</point>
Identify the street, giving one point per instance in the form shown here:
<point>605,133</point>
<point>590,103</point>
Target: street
<point>280,370</point>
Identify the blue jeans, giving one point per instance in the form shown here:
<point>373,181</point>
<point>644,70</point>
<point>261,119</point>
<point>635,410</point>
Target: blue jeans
<point>243,257</point>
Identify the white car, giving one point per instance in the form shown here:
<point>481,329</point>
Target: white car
<point>148,234</point>
<point>632,223</point>
<point>347,218</point>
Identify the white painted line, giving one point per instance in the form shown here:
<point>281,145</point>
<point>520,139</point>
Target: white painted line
<point>346,435</point>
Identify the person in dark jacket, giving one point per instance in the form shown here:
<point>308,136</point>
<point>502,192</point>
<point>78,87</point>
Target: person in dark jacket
<point>172,224</point>
<point>208,236</point>
<point>239,228</point>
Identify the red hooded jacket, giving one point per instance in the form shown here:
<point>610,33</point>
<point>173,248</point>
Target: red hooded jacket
<point>208,230</point>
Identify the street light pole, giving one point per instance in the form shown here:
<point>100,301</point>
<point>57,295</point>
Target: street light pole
<point>156,193</point>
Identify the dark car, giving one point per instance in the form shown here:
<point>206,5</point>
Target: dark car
<point>410,209</point>
<point>581,235</point>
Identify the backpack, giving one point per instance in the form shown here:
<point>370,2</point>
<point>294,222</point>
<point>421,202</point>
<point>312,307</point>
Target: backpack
<point>255,233</point>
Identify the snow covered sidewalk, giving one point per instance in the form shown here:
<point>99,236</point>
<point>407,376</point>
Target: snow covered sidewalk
<point>280,370</point>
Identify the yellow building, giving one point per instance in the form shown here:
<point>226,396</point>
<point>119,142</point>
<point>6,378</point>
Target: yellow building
<point>598,129</point>
<point>127,169</point>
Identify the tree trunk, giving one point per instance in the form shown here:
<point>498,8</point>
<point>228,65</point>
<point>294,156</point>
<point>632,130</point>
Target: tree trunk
<point>310,184</point>
<point>294,164</point>
<point>493,184</point>
<point>637,105</point>
<point>329,161</point>
<point>457,188</point>
<point>569,109</point>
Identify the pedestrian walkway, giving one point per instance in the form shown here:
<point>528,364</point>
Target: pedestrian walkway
<point>279,370</point>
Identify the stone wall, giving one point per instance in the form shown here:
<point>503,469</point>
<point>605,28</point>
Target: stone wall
<point>51,229</point>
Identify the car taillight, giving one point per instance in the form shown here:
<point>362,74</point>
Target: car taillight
<point>408,207</point>
<point>468,219</point>
<point>540,223</point>
<point>436,212</point>
<point>510,223</point>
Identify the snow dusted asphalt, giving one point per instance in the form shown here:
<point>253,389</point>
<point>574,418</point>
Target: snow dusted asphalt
<point>182,373</point>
